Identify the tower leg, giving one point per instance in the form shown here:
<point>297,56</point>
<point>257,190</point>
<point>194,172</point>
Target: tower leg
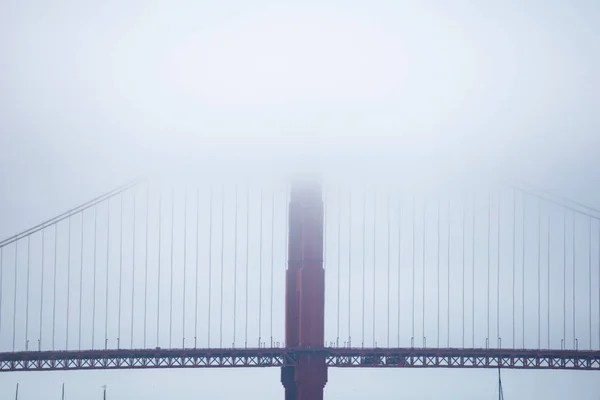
<point>289,384</point>
<point>311,377</point>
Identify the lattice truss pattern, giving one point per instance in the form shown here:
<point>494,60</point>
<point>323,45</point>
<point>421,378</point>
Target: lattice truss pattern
<point>345,358</point>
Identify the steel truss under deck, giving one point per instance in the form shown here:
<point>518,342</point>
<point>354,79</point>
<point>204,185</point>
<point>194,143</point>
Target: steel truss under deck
<point>279,357</point>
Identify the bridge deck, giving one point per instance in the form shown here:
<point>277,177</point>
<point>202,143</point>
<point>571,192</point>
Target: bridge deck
<point>278,357</point>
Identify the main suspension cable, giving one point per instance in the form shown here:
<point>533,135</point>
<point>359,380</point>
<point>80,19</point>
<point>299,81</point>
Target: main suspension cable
<point>69,213</point>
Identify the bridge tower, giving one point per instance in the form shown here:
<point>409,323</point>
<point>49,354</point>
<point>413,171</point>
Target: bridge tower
<point>305,293</point>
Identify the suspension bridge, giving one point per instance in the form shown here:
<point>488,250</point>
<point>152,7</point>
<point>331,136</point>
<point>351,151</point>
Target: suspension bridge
<point>304,277</point>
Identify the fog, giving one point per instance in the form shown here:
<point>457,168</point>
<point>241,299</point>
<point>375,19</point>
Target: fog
<point>94,95</point>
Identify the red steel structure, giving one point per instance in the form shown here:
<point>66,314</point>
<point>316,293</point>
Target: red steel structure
<point>305,294</point>
<point>290,358</point>
<point>304,359</point>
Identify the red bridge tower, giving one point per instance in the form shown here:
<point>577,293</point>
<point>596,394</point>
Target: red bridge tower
<point>305,293</point>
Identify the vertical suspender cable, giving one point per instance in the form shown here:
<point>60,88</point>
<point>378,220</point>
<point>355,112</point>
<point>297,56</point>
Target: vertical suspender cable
<point>210,234</point>
<point>1,282</point>
<point>489,252</point>
<point>349,264</point>
<point>197,264</point>
<point>564,278</point>
<point>325,247</point>
<point>287,211</point>
<point>160,217</point>
<point>80,282</point>
<point>523,271</point>
<point>448,273</point>
<point>473,277</point>
<point>339,260</point>
<point>548,267</point>
<point>260,248</point>
<point>247,264</point>
<point>389,261</point>
<point>573,291</point>
<point>539,276</point>
<point>107,270</point>
<point>590,278</point>
<point>498,276</point>
<point>438,269</point>
<point>414,217</point>
<point>15,296</point>
<point>374,257</point>
<point>272,258</point>
<point>222,265</point>
<point>185,217</point>
<point>27,294</point>
<point>94,289</point>
<point>235,257</point>
<point>146,262</point>
<point>399,263</point>
<point>514,249</point>
<point>464,224</point>
<point>364,263</point>
<point>68,287</point>
<point>424,264</point>
<point>171,269</point>
<point>133,270</point>
<point>54,285</point>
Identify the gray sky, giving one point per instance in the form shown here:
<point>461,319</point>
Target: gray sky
<point>95,94</point>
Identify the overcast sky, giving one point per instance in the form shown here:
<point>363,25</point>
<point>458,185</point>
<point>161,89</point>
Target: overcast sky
<point>93,94</point>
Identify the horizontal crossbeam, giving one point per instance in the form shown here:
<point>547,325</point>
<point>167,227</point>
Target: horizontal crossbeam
<point>278,357</point>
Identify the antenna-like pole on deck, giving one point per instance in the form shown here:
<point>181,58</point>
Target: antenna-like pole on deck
<point>500,392</point>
